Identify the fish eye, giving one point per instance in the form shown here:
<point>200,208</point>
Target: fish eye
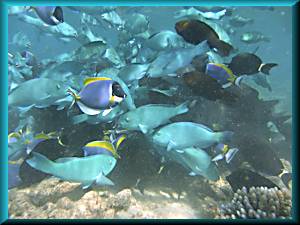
<point>117,90</point>
<point>127,119</point>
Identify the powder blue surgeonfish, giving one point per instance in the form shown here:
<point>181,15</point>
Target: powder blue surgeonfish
<point>174,136</point>
<point>148,117</point>
<point>222,74</point>
<point>85,170</point>
<point>98,94</point>
<point>51,15</point>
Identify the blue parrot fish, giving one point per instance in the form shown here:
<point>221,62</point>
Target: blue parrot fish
<point>108,146</point>
<point>98,94</point>
<point>225,152</point>
<point>51,15</point>
<point>199,162</point>
<point>147,117</point>
<point>174,136</point>
<point>85,170</point>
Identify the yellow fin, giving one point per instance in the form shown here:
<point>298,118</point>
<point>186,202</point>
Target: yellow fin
<point>41,136</point>
<point>120,140</point>
<point>94,79</point>
<point>101,144</point>
<point>14,134</point>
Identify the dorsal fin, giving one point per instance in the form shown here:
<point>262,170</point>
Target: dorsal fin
<point>94,79</point>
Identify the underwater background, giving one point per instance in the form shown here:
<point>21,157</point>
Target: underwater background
<point>206,151</point>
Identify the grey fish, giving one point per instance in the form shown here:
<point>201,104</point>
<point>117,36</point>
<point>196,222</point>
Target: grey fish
<point>38,92</point>
<point>168,62</point>
<point>173,136</point>
<point>147,117</point>
<point>62,30</point>
<point>197,161</point>
<point>240,21</point>
<point>136,23</point>
<point>254,37</point>
<point>133,72</point>
<point>163,40</point>
<point>193,13</point>
<point>85,170</point>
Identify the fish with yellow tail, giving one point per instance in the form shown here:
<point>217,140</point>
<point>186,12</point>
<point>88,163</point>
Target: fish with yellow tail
<point>225,152</point>
<point>108,146</point>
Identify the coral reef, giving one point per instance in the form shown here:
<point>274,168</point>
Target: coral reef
<point>258,203</point>
<point>52,198</point>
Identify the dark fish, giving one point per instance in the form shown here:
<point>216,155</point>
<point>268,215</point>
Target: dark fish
<point>248,64</point>
<point>195,32</point>
<point>30,59</point>
<point>207,87</point>
<point>51,15</point>
<point>247,178</point>
<point>52,150</point>
<point>260,155</point>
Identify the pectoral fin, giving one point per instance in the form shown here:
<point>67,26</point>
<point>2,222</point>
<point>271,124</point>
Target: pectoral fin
<point>103,180</point>
<point>86,185</point>
<point>218,157</point>
<point>106,111</point>
<point>143,128</point>
<point>87,110</point>
<point>171,145</point>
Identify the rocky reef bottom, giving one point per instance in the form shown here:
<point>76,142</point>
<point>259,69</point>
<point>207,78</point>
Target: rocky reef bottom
<point>56,199</point>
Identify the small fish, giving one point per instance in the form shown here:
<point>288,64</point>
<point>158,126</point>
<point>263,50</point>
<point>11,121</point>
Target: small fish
<point>63,31</point>
<point>173,136</point>
<point>198,161</point>
<point>133,72</point>
<point>108,146</point>
<point>163,40</point>
<point>147,117</point>
<point>225,152</point>
<point>113,19</point>
<point>196,31</point>
<point>21,41</point>
<point>98,94</point>
<point>51,15</point>
<point>30,59</point>
<point>254,37</point>
<point>240,21</point>
<point>86,170</point>
<point>136,23</point>
<point>222,74</point>
<point>248,64</point>
<point>170,61</point>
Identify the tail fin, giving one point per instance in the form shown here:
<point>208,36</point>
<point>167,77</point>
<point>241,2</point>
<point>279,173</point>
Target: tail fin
<point>41,163</point>
<point>74,95</point>
<point>267,67</point>
<point>79,118</point>
<point>182,108</point>
<point>224,136</point>
<point>223,48</point>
